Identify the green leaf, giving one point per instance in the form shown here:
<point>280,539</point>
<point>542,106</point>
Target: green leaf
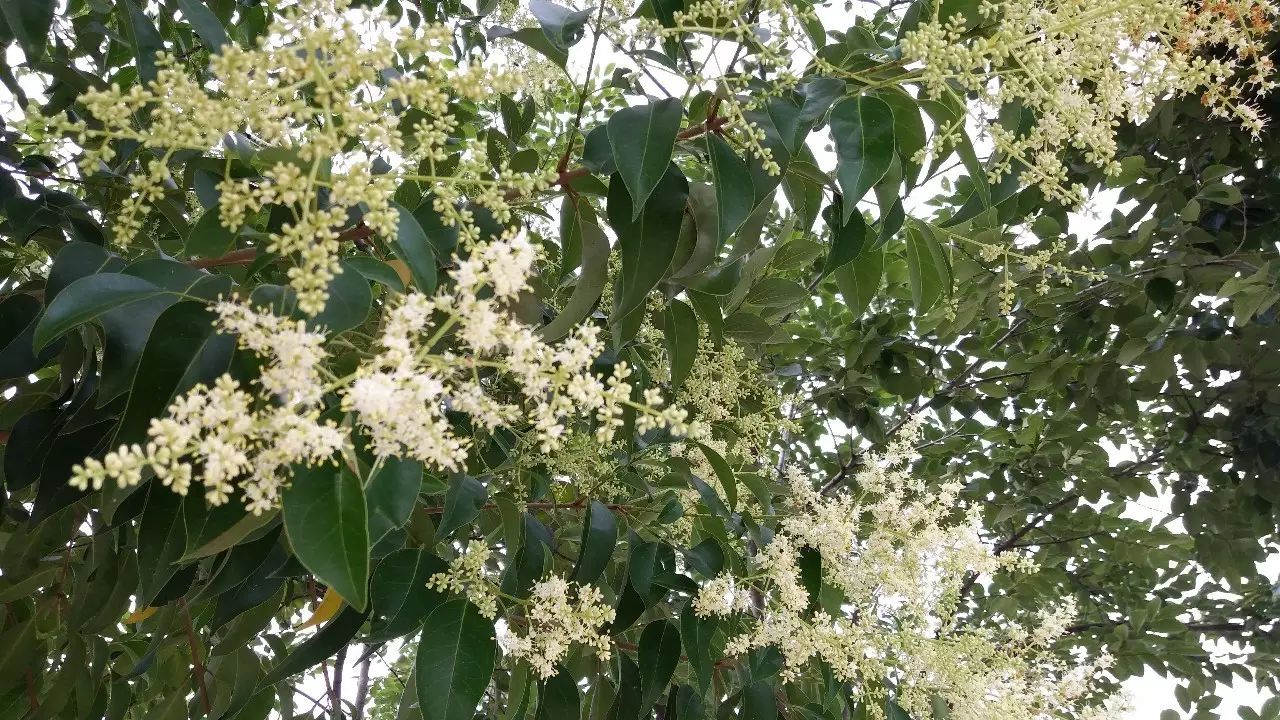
<point>391,493</point>
<point>745,327</point>
<point>562,26</point>
<point>1161,291</point>
<point>707,557</point>
<point>205,23</point>
<point>859,281</point>
<point>659,654</point>
<point>597,153</point>
<point>908,129</point>
<point>330,639</point>
<point>862,129</point>
<point>462,504</point>
<point>328,527</point>
<point>696,634</point>
<point>758,702</point>
<point>681,329</point>
<point>142,35</point>
<point>928,269</point>
<point>183,350</point>
<point>724,473</point>
<point>642,564</point>
<point>643,138</point>
<point>348,303</point>
<point>847,238</point>
<point>535,39</point>
<point>161,541</point>
<point>777,292</point>
<point>455,660</point>
<point>399,592</point>
<point>208,236</point>
<point>29,20</point>
<point>626,704</point>
<point>591,281</point>
<point>559,698</point>
<point>376,270</point>
<point>87,299</point>
<point>412,246</point>
<point>599,537</point>
<point>248,525</point>
<point>735,193</point>
<point>647,239</point>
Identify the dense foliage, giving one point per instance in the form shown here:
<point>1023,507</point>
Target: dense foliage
<point>698,359</point>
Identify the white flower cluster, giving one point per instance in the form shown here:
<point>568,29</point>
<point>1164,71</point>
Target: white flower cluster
<point>319,100</point>
<point>1082,67</point>
<point>500,373</point>
<point>899,577</point>
<point>466,576</point>
<point>223,436</point>
<point>561,615</point>
<point>400,397</point>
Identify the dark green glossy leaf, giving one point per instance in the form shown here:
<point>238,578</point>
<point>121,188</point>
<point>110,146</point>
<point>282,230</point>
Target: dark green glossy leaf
<point>142,34</point>
<point>696,634</point>
<point>929,270</point>
<point>348,303</point>
<point>559,697</point>
<point>681,330</point>
<point>456,656</point>
<point>247,525</point>
<point>208,236</point>
<point>862,129</point>
<point>87,299</point>
<point>205,23</point>
<point>777,292</point>
<point>758,702</point>
<point>399,592</point>
<point>659,654</point>
<point>412,246</point>
<point>591,281</point>
<point>643,138</point>
<point>847,238</point>
<point>735,193</point>
<point>599,537</point>
<point>391,493</point>
<point>462,504</point>
<point>597,153</point>
<point>161,540</point>
<point>533,38</point>
<point>328,527</point>
<point>183,350</point>
<point>706,558</point>
<point>859,281</point>
<point>376,270</point>
<point>626,704</point>
<point>647,239</point>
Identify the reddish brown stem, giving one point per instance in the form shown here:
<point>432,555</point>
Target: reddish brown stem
<point>33,701</point>
<point>197,662</point>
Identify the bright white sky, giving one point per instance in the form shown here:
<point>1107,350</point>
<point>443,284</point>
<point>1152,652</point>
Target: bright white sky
<point>1150,694</point>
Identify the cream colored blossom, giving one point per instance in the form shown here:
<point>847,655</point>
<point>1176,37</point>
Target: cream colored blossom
<point>466,576</point>
<point>560,615</point>
<point>316,98</point>
<point>1081,68</point>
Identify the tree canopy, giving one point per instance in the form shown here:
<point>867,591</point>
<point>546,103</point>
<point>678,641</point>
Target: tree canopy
<point>680,359</point>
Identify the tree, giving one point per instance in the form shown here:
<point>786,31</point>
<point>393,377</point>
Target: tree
<point>614,359</point>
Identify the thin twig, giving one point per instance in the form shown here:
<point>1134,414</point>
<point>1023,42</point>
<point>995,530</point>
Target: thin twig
<point>197,662</point>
